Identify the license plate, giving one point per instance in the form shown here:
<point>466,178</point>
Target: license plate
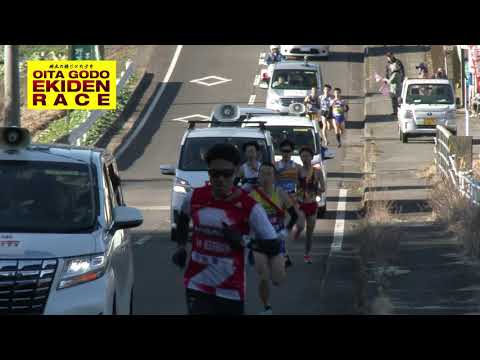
<point>305,49</point>
<point>429,121</point>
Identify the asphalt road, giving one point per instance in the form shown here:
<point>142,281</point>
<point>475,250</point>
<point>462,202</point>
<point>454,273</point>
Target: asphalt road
<point>158,287</point>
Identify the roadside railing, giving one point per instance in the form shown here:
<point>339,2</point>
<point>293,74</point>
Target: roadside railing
<point>453,159</point>
<point>79,134</point>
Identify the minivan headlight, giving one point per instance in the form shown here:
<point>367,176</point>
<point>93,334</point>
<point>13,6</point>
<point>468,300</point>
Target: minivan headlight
<point>181,186</point>
<point>408,114</point>
<point>82,269</point>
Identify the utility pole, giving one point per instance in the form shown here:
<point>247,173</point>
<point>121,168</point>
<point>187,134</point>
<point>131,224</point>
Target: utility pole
<point>12,86</point>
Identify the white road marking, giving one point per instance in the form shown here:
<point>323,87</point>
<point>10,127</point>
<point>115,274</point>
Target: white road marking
<point>220,80</point>
<point>143,240</point>
<point>251,101</point>
<point>261,60</point>
<point>257,80</point>
<point>339,222</point>
<point>190,117</point>
<point>152,208</point>
<point>153,104</point>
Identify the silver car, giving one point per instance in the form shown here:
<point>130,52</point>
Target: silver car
<point>63,244</point>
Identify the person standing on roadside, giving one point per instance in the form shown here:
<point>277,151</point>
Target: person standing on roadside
<point>391,59</point>
<point>395,81</point>
<point>222,216</point>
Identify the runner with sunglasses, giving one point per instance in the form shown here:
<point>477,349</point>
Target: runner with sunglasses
<point>287,179</point>
<point>276,203</point>
<point>222,216</point>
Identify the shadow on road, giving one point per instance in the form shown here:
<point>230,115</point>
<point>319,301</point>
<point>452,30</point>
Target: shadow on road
<point>347,199</point>
<point>392,188</point>
<point>143,138</point>
<point>397,49</point>
<point>358,125</point>
<point>337,56</point>
<point>351,175</point>
<point>380,118</point>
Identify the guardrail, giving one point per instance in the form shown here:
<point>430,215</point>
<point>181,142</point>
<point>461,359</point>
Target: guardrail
<point>79,134</point>
<point>454,162</point>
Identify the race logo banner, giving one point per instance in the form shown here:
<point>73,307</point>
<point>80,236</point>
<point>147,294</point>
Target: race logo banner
<point>71,85</point>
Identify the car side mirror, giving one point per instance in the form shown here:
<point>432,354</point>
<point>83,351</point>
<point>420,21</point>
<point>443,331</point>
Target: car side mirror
<point>167,169</point>
<point>126,217</point>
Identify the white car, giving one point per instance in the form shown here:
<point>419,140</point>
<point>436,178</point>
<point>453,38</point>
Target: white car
<point>424,104</point>
<point>303,132</point>
<point>291,82</point>
<point>64,249</point>
<point>297,50</point>
<point>191,169</point>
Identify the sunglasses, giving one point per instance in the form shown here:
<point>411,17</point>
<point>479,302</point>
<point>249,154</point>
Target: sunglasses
<point>226,173</point>
<point>286,151</point>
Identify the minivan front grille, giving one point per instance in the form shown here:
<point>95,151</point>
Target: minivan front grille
<point>289,101</point>
<point>25,285</point>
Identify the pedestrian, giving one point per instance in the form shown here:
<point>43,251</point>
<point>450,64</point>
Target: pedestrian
<point>339,109</point>
<point>391,59</point>
<point>222,216</point>
<point>310,184</point>
<point>248,172</point>
<point>440,74</point>
<point>326,111</point>
<point>395,82</point>
<point>422,71</point>
<point>274,56</point>
<point>312,102</point>
<point>287,180</point>
<point>276,204</point>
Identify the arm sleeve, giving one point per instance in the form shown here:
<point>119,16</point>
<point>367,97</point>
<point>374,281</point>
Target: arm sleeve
<point>260,224</point>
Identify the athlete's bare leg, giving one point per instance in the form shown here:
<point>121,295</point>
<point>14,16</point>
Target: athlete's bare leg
<point>311,221</point>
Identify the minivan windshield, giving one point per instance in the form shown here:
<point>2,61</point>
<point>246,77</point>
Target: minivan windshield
<point>47,197</point>
<point>294,79</point>
<point>429,94</point>
<point>195,149</point>
<point>299,135</point>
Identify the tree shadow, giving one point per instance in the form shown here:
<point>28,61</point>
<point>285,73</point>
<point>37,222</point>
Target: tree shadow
<point>142,140</point>
<point>345,56</point>
<point>380,118</point>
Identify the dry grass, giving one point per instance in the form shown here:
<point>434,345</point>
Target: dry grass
<point>461,217</point>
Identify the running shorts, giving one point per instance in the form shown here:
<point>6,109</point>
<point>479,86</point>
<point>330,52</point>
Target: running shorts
<point>309,208</point>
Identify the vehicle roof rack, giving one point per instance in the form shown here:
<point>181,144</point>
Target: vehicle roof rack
<point>192,123</point>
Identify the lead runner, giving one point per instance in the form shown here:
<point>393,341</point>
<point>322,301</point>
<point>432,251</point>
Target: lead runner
<point>222,214</point>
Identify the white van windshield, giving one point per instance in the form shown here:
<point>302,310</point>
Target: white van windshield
<point>430,94</point>
<point>195,149</point>
<point>294,79</point>
<point>300,136</point>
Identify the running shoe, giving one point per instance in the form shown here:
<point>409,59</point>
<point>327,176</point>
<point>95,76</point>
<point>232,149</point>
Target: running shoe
<point>267,311</point>
<point>251,258</point>
<point>307,259</point>
<point>288,261</point>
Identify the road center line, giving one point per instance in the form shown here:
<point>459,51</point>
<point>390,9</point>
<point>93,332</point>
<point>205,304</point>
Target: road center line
<point>339,222</point>
<point>257,80</point>
<point>251,101</point>
<point>153,104</point>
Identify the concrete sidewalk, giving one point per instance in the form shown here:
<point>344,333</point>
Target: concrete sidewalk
<point>429,274</point>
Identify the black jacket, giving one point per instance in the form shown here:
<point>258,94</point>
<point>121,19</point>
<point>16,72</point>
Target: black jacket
<point>402,70</point>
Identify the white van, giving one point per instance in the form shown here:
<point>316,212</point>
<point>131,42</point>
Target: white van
<point>424,104</point>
